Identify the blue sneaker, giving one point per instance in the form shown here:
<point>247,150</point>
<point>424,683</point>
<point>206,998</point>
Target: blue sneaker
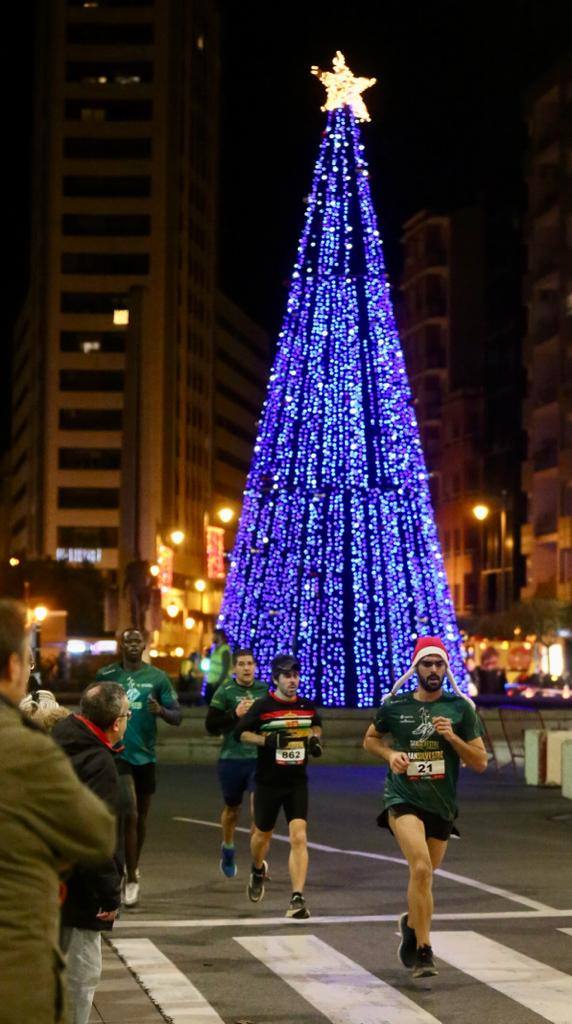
<point>227,865</point>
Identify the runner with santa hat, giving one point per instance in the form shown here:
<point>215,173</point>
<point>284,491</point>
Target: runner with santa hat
<point>431,732</point>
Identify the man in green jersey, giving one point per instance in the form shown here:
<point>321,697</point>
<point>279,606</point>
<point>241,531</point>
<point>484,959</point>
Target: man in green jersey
<point>237,762</point>
<point>220,664</point>
<point>432,732</point>
<point>151,696</point>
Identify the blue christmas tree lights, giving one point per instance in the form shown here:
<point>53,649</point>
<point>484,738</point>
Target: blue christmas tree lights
<point>337,556</point>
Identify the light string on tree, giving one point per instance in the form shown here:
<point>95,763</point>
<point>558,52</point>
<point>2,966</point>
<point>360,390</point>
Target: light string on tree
<point>337,555</point>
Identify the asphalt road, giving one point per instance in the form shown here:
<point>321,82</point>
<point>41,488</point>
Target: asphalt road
<point>500,911</point>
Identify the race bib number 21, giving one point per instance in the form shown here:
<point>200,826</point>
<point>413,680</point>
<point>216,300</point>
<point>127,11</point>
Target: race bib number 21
<point>420,769</point>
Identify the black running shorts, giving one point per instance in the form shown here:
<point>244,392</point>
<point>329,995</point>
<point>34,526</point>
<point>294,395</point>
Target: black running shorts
<point>268,800</point>
<point>435,826</point>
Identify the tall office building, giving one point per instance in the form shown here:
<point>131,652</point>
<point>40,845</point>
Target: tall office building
<point>442,331</point>
<point>547,472</point>
<point>124,227</point>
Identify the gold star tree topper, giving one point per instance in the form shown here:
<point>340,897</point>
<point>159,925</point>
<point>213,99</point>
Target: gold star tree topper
<point>343,88</point>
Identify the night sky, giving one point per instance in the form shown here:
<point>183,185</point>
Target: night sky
<point>447,122</point>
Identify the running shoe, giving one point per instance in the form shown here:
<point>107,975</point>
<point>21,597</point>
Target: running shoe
<point>226,863</point>
<point>407,951</point>
<point>297,908</point>
<point>131,897</point>
<point>255,887</point>
<point>424,963</point>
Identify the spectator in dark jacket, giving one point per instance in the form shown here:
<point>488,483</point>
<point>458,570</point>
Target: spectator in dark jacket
<point>94,894</point>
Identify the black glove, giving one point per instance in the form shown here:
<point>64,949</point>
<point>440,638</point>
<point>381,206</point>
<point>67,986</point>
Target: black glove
<point>272,740</point>
<point>314,746</point>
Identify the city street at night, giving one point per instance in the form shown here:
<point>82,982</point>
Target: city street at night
<point>502,930</point>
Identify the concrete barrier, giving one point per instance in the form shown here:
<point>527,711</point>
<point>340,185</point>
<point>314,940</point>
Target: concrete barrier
<point>567,769</point>
<point>535,757</point>
<point>554,742</point>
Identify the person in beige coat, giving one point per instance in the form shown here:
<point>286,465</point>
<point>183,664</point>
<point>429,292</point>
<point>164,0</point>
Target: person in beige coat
<point>48,821</point>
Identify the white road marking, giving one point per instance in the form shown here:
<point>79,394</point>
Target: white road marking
<point>171,991</point>
<point>336,986</point>
<point>529,982</point>
<point>460,879</point>
<point>254,922</point>
<point>567,931</point>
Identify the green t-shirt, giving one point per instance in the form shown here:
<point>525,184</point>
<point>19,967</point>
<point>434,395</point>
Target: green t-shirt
<point>226,698</point>
<point>431,779</point>
<point>141,732</point>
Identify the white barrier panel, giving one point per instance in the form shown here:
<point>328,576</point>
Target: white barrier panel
<point>567,769</point>
<point>554,741</point>
<point>534,757</point>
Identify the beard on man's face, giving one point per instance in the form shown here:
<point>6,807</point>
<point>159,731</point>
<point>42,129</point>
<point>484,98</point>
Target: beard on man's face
<point>431,683</point>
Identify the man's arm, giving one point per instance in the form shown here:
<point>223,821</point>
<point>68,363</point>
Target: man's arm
<point>73,821</point>
<point>247,729</point>
<point>377,744</point>
<point>166,706</point>
<point>472,752</point>
<point>219,721</point>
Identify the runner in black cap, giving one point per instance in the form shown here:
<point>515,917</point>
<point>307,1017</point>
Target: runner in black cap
<point>286,729</point>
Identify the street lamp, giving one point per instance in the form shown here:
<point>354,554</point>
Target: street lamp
<point>39,615</point>
<point>226,514</point>
<point>173,609</point>
<point>201,586</point>
<point>481,512</point>
<point>154,569</point>
<point>14,562</point>
<point>177,537</point>
<point>189,622</point>
<point>121,317</point>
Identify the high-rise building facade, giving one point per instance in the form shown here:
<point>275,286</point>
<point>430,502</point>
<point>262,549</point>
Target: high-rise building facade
<point>124,212</point>
<point>547,472</point>
<point>442,332</point>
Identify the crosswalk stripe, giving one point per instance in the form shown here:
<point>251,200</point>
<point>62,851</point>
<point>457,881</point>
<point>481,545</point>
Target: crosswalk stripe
<point>336,986</point>
<point>136,923</point>
<point>171,991</point>
<point>537,986</point>
<point>567,931</point>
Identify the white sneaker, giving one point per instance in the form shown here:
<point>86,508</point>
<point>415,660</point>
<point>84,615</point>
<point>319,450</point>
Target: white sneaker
<point>131,894</point>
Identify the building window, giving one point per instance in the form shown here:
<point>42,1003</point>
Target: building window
<point>102,263</point>
<point>92,380</point>
<point>85,33</point>
<point>89,458</point>
<point>90,341</point>
<point>89,537</point>
<point>94,148</point>
<point>109,110</point>
<point>88,497</point>
<point>91,419</point>
<point>20,493</point>
<point>565,565</point>
<point>104,73</point>
<point>104,186</point>
<point>91,302</point>
<point>100,225</point>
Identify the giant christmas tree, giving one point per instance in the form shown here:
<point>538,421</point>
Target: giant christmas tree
<point>337,556</point>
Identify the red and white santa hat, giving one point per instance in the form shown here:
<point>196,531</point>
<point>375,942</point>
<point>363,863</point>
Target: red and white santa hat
<point>425,647</point>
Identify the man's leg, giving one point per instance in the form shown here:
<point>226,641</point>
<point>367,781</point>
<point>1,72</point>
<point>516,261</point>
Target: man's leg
<point>410,834</point>
<point>128,815</point>
<point>229,821</point>
<point>143,805</point>
<point>83,973</point>
<point>259,846</point>
<point>298,859</point>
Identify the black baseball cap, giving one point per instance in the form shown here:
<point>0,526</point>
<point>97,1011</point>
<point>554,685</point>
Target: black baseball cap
<point>284,663</point>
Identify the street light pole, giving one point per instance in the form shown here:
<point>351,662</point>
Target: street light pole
<point>503,601</point>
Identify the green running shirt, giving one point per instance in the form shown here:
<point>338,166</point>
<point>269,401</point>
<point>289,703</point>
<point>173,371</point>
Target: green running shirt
<point>141,732</point>
<point>431,779</point>
<point>226,698</point>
